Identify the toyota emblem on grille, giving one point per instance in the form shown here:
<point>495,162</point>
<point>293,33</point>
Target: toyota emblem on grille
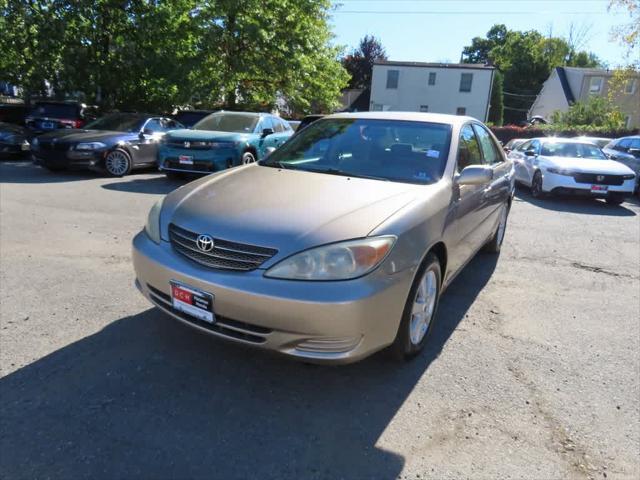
<point>600,178</point>
<point>187,144</point>
<point>205,243</point>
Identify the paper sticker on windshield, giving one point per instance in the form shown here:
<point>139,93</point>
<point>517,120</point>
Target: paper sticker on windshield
<point>421,175</point>
<point>433,153</point>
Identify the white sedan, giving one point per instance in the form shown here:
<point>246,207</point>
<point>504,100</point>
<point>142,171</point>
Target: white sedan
<point>563,166</point>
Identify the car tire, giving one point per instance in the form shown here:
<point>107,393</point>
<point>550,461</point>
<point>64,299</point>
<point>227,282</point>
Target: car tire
<point>615,200</point>
<point>420,311</point>
<point>536,185</point>
<point>247,158</point>
<point>495,244</point>
<point>117,163</point>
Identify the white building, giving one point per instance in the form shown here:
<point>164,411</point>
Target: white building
<point>567,85</point>
<point>460,89</point>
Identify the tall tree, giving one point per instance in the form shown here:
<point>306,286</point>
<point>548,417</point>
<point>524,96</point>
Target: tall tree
<point>359,63</point>
<point>496,112</point>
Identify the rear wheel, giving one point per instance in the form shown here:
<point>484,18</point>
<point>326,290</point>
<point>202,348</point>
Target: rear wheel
<point>615,199</point>
<point>420,310</point>
<point>495,244</point>
<point>536,186</point>
<point>117,163</point>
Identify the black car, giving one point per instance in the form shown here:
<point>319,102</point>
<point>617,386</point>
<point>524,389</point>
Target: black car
<point>14,140</point>
<point>50,115</point>
<point>13,113</point>
<point>114,144</point>
<point>189,118</point>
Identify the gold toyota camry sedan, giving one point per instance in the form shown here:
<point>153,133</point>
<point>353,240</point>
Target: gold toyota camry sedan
<point>337,244</point>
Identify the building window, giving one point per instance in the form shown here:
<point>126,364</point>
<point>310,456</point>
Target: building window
<point>466,79</point>
<point>595,85</point>
<point>392,78</point>
<point>631,87</point>
<point>461,111</point>
<point>432,78</point>
<point>424,108</point>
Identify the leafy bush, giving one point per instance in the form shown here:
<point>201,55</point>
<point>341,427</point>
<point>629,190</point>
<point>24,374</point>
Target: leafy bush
<point>595,112</point>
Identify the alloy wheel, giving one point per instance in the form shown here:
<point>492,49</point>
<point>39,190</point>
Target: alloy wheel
<point>117,163</point>
<point>423,307</point>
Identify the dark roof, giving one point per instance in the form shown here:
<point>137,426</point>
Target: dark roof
<point>473,66</point>
<point>566,88</point>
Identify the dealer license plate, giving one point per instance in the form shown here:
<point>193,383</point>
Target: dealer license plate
<point>599,189</point>
<point>47,125</point>
<point>185,160</point>
<point>193,302</point>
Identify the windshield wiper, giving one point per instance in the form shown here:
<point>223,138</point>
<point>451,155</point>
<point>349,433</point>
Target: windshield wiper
<point>284,166</point>
<point>336,171</point>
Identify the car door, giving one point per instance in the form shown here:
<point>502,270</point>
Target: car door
<point>265,141</point>
<point>469,205</point>
<point>282,132</point>
<point>531,161</point>
<point>517,156</point>
<point>499,190</point>
<point>151,133</point>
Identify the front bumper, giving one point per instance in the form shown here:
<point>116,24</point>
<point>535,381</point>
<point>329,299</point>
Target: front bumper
<point>565,184</point>
<point>91,159</point>
<point>201,161</point>
<point>14,148</point>
<point>323,322</point>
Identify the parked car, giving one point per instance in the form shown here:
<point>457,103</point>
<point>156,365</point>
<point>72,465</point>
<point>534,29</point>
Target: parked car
<point>564,166</point>
<point>50,115</point>
<point>222,140</point>
<point>598,141</point>
<point>308,120</point>
<point>339,243</point>
<point>513,144</point>
<point>294,124</point>
<point>114,144</point>
<point>189,118</point>
<point>626,150</point>
<point>14,140</point>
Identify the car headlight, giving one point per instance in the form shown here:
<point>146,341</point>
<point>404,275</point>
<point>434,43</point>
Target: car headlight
<point>152,226</point>
<point>561,171</point>
<point>630,176</point>
<point>90,146</point>
<point>337,261</point>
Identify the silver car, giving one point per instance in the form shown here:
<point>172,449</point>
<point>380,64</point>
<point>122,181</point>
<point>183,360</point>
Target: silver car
<point>339,243</point>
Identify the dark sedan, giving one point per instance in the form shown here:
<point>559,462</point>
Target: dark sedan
<point>114,144</point>
<point>14,140</point>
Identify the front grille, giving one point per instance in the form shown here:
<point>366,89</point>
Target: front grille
<point>225,255</point>
<point>223,326</point>
<point>186,144</point>
<point>592,178</point>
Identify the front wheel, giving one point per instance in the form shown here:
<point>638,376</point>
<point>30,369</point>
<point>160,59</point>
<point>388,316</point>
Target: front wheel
<point>117,163</point>
<point>420,310</point>
<point>536,186</point>
<point>247,158</point>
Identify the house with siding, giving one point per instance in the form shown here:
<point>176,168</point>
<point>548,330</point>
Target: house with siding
<point>462,89</point>
<point>567,85</point>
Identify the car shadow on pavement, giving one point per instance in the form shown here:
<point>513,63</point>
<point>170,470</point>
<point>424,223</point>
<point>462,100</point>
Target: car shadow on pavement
<point>585,206</point>
<point>149,398</point>
<point>155,185</point>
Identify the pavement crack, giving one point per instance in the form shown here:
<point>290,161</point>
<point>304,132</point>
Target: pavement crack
<point>594,269</point>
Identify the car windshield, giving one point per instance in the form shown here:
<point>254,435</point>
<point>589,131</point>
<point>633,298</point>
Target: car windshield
<point>228,122</point>
<point>188,118</point>
<point>118,122</point>
<point>572,150</point>
<point>395,150</point>
<point>56,110</point>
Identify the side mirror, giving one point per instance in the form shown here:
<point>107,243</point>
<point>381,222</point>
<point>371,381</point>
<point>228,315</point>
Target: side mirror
<point>266,132</point>
<point>475,175</point>
<point>530,153</point>
<point>146,131</point>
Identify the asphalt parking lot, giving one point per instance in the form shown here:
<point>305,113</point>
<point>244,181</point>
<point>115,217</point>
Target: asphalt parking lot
<point>533,371</point>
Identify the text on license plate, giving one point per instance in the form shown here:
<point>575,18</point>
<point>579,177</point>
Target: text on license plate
<point>193,302</point>
<point>47,124</point>
<point>185,159</point>
<point>599,189</point>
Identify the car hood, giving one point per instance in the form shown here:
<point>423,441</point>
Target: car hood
<point>210,135</point>
<point>284,209</point>
<point>587,165</point>
<point>79,135</point>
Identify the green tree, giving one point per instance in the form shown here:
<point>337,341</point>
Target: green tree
<point>595,112</point>
<point>359,63</point>
<point>496,112</point>
<point>628,34</point>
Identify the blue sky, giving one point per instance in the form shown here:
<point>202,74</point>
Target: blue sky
<point>417,33</point>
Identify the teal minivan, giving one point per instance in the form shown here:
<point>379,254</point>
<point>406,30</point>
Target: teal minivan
<point>221,140</point>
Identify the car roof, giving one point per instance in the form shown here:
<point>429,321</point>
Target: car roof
<point>455,120</point>
<point>559,139</point>
<point>230,112</point>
